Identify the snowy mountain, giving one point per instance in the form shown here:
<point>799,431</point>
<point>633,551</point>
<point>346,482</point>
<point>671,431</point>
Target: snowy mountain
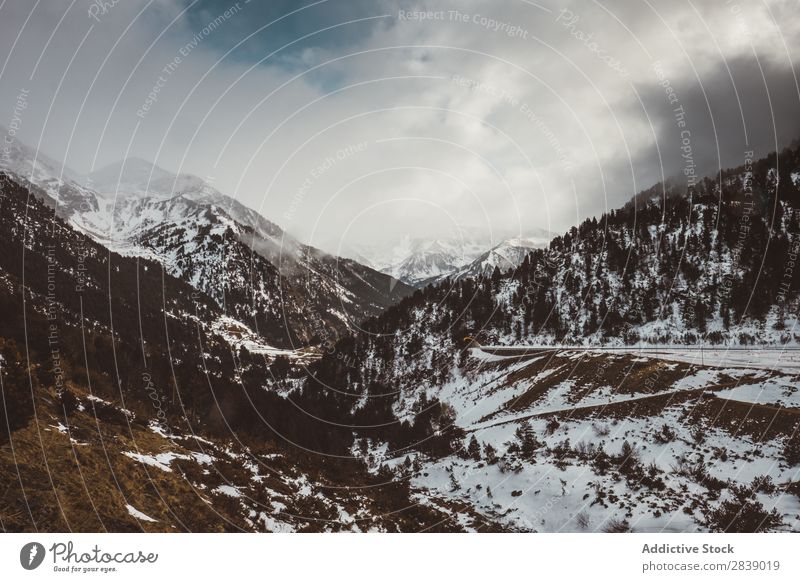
<point>142,198</point>
<point>421,261</point>
<point>386,255</point>
<point>287,292</point>
<point>143,195</point>
<point>509,254</point>
<point>426,260</point>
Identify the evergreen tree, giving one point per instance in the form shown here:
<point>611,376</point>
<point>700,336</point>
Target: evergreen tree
<point>474,449</point>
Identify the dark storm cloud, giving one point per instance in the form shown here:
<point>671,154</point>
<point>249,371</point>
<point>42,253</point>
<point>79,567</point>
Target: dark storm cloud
<point>754,106</point>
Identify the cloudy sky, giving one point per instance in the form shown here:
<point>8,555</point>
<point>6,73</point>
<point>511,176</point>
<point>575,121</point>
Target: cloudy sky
<point>356,121</point>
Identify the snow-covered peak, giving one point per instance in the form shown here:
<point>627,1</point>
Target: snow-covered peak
<point>139,178</point>
<point>419,261</point>
<point>509,254</point>
<point>141,196</point>
<point>427,260</point>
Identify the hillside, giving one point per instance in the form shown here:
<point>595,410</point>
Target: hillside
<point>289,293</point>
<point>133,403</point>
<point>673,274</point>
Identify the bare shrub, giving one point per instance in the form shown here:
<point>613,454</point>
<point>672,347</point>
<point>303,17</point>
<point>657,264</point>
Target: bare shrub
<point>665,435</point>
<point>742,513</point>
<point>585,450</point>
<point>582,519</point>
<point>601,430</point>
<point>617,526</point>
<point>791,452</point>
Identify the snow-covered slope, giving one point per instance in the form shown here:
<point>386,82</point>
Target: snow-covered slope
<point>579,441</point>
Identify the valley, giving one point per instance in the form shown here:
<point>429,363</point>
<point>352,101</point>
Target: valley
<point>172,361</point>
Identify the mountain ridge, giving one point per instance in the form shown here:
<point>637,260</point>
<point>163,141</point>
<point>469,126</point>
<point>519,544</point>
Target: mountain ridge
<point>290,293</point>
